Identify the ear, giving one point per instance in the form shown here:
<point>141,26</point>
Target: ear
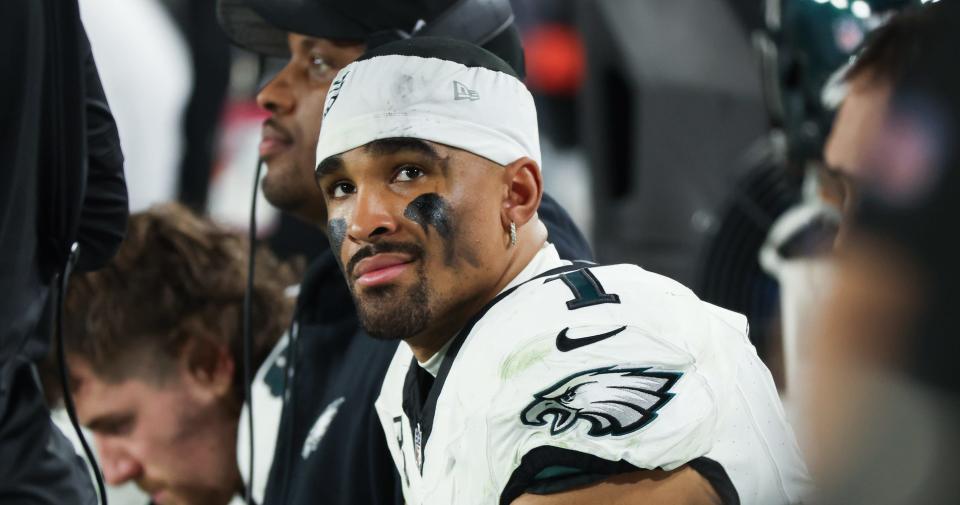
<point>524,191</point>
<point>208,368</point>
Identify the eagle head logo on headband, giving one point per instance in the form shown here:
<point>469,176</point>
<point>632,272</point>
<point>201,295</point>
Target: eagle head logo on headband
<point>430,89</point>
<point>334,92</point>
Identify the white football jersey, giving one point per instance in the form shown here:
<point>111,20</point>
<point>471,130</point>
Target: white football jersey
<point>577,371</point>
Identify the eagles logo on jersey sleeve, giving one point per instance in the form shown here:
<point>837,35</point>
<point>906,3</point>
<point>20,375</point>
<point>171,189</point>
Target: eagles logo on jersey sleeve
<point>648,406</point>
<point>627,375</point>
<point>615,401</point>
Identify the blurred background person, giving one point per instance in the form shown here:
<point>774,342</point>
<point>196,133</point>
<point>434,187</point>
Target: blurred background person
<point>154,346</point>
<point>63,206</point>
<point>167,67</point>
<point>145,66</point>
<point>212,62</point>
<point>884,400</point>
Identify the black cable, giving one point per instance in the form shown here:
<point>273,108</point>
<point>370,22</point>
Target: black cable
<point>248,330</point>
<point>60,293</point>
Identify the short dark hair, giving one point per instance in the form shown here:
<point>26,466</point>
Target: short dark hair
<point>888,51</point>
<point>176,278</point>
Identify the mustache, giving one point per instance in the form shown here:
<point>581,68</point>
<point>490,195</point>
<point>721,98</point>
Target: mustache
<point>275,125</point>
<point>384,247</point>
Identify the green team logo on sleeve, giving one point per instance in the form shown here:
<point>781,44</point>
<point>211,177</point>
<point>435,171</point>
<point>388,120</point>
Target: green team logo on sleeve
<point>614,401</point>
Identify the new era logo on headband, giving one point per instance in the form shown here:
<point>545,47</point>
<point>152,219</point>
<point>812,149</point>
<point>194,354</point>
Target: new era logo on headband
<point>462,92</point>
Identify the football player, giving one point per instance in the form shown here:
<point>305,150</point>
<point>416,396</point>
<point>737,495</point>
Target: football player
<point>524,378</point>
<point>330,441</point>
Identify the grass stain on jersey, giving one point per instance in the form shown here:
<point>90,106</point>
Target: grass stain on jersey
<point>431,210</point>
<point>519,361</point>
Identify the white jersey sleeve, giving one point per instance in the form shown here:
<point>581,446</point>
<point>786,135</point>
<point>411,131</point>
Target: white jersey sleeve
<point>674,383</point>
<point>658,412</point>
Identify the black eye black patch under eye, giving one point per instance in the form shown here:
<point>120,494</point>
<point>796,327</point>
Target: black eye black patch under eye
<point>336,232</point>
<point>430,209</point>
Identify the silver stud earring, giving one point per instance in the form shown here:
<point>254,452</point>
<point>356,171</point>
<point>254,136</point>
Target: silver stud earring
<point>513,234</point>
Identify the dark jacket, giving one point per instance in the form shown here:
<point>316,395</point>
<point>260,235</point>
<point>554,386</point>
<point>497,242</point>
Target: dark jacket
<point>61,181</point>
<point>334,359</point>
<point>62,177</point>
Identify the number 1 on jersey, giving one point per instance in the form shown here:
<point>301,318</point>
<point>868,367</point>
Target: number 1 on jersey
<point>586,289</point>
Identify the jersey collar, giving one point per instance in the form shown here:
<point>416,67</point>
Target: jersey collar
<point>421,390</point>
<point>547,258</point>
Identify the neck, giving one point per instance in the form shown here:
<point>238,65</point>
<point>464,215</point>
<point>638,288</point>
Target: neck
<point>428,342</point>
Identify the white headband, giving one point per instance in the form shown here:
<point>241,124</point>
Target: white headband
<point>488,113</point>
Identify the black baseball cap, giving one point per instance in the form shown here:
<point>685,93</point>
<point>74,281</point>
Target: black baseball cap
<point>262,25</point>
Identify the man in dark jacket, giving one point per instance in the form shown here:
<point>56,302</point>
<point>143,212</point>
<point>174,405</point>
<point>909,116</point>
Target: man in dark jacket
<point>330,446</point>
<point>61,184</point>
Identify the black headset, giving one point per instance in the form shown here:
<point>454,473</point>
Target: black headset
<point>476,21</point>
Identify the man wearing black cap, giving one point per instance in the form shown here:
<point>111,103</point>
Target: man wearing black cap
<point>330,445</point>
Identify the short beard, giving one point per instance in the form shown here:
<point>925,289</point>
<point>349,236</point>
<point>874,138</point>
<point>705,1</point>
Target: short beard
<point>388,314</point>
<point>283,191</point>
